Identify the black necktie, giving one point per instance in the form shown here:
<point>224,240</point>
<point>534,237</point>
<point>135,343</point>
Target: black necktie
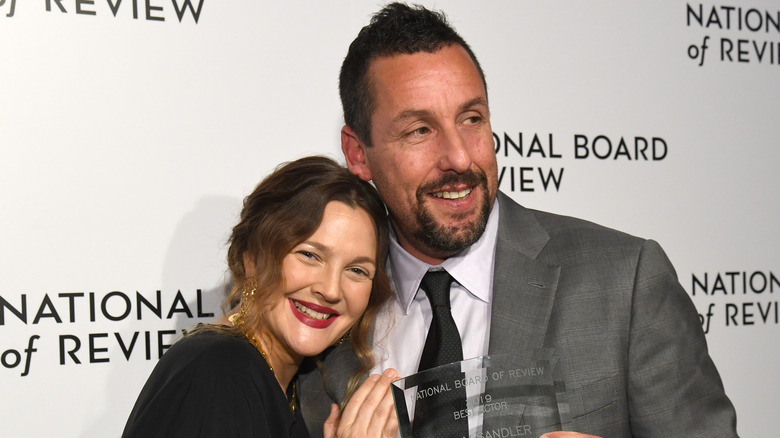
<point>433,417</point>
<point>442,346</point>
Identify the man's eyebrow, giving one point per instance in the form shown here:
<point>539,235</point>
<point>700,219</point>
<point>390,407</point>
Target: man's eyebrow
<point>410,114</point>
<point>417,114</point>
<point>477,101</point>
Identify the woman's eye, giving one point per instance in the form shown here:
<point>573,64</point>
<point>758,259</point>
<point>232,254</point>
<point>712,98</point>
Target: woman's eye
<point>307,254</point>
<point>359,271</point>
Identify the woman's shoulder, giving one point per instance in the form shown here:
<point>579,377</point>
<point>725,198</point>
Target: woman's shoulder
<point>210,364</point>
<point>212,349</point>
<point>213,336</point>
<point>209,383</point>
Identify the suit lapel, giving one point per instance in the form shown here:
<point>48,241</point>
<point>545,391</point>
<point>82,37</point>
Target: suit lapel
<point>523,287</point>
<point>339,364</point>
<point>319,386</point>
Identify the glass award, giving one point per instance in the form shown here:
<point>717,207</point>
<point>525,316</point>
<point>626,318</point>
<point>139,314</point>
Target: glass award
<point>501,395</point>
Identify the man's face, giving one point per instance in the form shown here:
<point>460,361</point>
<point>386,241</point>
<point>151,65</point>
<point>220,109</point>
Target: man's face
<point>432,158</point>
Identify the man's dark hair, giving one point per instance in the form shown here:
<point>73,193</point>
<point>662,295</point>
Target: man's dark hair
<point>395,30</point>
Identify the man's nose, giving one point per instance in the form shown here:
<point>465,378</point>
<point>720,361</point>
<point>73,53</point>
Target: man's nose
<point>455,152</point>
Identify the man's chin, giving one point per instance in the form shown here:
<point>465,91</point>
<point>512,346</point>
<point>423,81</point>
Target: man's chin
<point>451,237</point>
<point>449,228</point>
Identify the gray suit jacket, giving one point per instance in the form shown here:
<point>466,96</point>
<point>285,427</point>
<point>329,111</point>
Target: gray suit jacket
<point>632,350</point>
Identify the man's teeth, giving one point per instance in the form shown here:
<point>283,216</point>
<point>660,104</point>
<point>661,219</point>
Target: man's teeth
<point>452,195</point>
<point>310,313</point>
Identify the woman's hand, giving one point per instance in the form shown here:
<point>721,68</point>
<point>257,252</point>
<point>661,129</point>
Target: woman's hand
<point>369,413</point>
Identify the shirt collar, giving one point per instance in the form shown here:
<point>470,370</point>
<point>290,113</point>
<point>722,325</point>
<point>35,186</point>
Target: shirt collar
<point>472,268</point>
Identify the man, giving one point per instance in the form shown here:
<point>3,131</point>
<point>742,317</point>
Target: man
<point>632,351</point>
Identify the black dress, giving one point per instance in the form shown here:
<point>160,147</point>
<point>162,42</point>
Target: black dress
<point>210,384</point>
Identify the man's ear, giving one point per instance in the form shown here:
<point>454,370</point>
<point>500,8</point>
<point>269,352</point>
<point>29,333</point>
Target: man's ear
<point>354,153</point>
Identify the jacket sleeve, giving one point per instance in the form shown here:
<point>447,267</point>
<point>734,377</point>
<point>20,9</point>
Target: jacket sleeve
<point>674,388</point>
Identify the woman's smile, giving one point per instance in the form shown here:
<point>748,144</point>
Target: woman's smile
<point>313,315</point>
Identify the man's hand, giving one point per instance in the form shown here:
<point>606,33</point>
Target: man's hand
<point>369,413</point>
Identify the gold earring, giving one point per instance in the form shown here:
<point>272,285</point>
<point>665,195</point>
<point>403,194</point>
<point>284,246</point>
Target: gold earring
<point>247,296</point>
<point>342,339</point>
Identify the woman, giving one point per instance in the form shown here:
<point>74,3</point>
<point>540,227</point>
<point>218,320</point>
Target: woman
<point>308,265</point>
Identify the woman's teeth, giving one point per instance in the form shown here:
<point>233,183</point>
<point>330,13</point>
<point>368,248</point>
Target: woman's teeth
<point>310,313</point>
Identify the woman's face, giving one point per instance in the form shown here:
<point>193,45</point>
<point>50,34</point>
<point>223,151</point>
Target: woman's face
<point>327,283</point>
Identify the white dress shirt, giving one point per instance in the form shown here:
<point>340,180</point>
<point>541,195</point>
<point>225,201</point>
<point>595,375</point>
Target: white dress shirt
<point>402,325</point>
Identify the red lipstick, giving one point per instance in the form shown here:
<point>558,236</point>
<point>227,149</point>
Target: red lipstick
<point>312,322</point>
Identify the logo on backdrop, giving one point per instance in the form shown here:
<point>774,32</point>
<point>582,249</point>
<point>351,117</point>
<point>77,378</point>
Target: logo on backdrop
<point>148,10</point>
<point>535,146</point>
<point>70,310</point>
<point>733,299</point>
<point>745,35</point>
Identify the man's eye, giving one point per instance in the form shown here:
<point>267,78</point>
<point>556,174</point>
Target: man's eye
<point>419,132</point>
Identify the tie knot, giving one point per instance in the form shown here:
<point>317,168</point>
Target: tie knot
<point>437,286</point>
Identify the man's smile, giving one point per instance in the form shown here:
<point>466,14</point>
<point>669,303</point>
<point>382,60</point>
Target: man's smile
<point>456,195</point>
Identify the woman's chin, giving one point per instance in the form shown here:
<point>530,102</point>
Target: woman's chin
<point>312,348</point>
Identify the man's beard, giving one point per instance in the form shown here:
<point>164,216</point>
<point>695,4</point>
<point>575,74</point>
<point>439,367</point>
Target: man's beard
<point>451,239</point>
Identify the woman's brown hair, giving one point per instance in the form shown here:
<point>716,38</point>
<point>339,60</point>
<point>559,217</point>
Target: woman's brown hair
<point>285,209</point>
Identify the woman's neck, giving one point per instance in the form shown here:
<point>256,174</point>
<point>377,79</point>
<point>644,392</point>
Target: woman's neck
<point>283,364</point>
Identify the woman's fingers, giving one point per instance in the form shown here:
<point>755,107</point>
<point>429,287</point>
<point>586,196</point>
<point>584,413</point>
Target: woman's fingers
<point>370,411</point>
<point>382,421</point>
<point>350,413</point>
<point>332,423</point>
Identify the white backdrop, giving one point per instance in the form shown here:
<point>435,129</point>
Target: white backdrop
<point>129,134</point>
